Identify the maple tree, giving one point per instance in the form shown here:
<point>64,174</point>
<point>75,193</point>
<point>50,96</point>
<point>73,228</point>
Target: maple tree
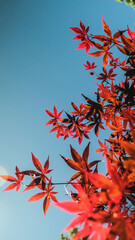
<point>104,204</point>
<point>128,2</point>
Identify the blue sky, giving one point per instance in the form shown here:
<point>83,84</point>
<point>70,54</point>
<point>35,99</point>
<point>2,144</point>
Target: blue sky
<point>39,67</point>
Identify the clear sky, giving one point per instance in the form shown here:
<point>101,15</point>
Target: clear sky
<point>39,67</point>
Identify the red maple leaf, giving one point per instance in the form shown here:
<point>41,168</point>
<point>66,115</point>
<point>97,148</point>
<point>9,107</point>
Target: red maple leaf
<point>103,148</point>
<point>109,38</point>
<point>81,32</point>
<point>79,111</point>
<point>54,115</point>
<point>89,66</point>
<point>16,182</point>
<point>104,76</point>
<point>79,163</point>
<point>41,179</point>
<point>86,43</point>
<point>48,193</point>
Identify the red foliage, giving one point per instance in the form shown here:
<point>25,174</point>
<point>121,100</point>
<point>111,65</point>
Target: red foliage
<point>104,204</point>
<point>16,182</point>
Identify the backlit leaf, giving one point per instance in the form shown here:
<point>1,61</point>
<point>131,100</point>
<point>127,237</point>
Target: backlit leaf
<point>106,28</point>
<point>37,196</point>
<point>69,206</point>
<point>85,154</point>
<point>46,204</point>
<point>76,156</point>
<point>36,163</point>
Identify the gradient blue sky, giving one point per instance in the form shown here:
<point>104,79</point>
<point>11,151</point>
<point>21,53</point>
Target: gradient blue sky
<point>39,67</point>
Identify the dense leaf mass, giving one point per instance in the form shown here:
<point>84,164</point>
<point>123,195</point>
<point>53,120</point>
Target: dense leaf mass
<point>104,204</point>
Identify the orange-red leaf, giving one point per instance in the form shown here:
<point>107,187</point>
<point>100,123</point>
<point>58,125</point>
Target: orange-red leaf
<point>106,28</point>
<point>46,165</point>
<point>123,50</point>
<point>100,181</point>
<point>96,54</point>
<point>33,184</point>
<point>36,163</point>
<point>46,204</point>
<point>72,164</point>
<point>91,164</point>
<point>37,196</point>
<point>129,147</point>
<point>18,185</point>
<point>126,42</point>
<point>85,154</point>
<point>49,113</point>
<point>69,206</point>
<point>76,156</point>
<point>53,197</point>
<point>105,60</point>
<point>116,35</point>
<point>8,178</point>
<point>100,38</point>
<point>76,175</point>
<point>10,187</point>
<point>114,174</point>
<point>99,150</point>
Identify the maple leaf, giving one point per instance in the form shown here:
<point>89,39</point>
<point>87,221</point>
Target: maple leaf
<point>127,44</point>
<point>112,189</point>
<point>114,62</point>
<point>103,51</point>
<point>104,76</point>
<point>120,181</point>
<point>43,170</point>
<point>46,201</point>
<point>86,43</point>
<point>106,94</point>
<point>35,183</point>
<point>96,124</point>
<point>54,115</point>
<point>81,32</point>
<point>16,182</point>
<point>94,105</point>
<point>109,38</point>
<point>76,127</point>
<point>41,175</point>
<point>116,126</point>
<point>93,115</point>
<point>103,148</point>
<point>89,66</point>
<point>60,129</point>
<point>70,206</point>
<point>106,28</point>
<point>78,111</point>
<point>79,163</point>
<point>84,210</point>
<point>79,133</point>
<point>82,207</point>
<point>48,193</point>
<point>124,67</point>
<point>83,36</point>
